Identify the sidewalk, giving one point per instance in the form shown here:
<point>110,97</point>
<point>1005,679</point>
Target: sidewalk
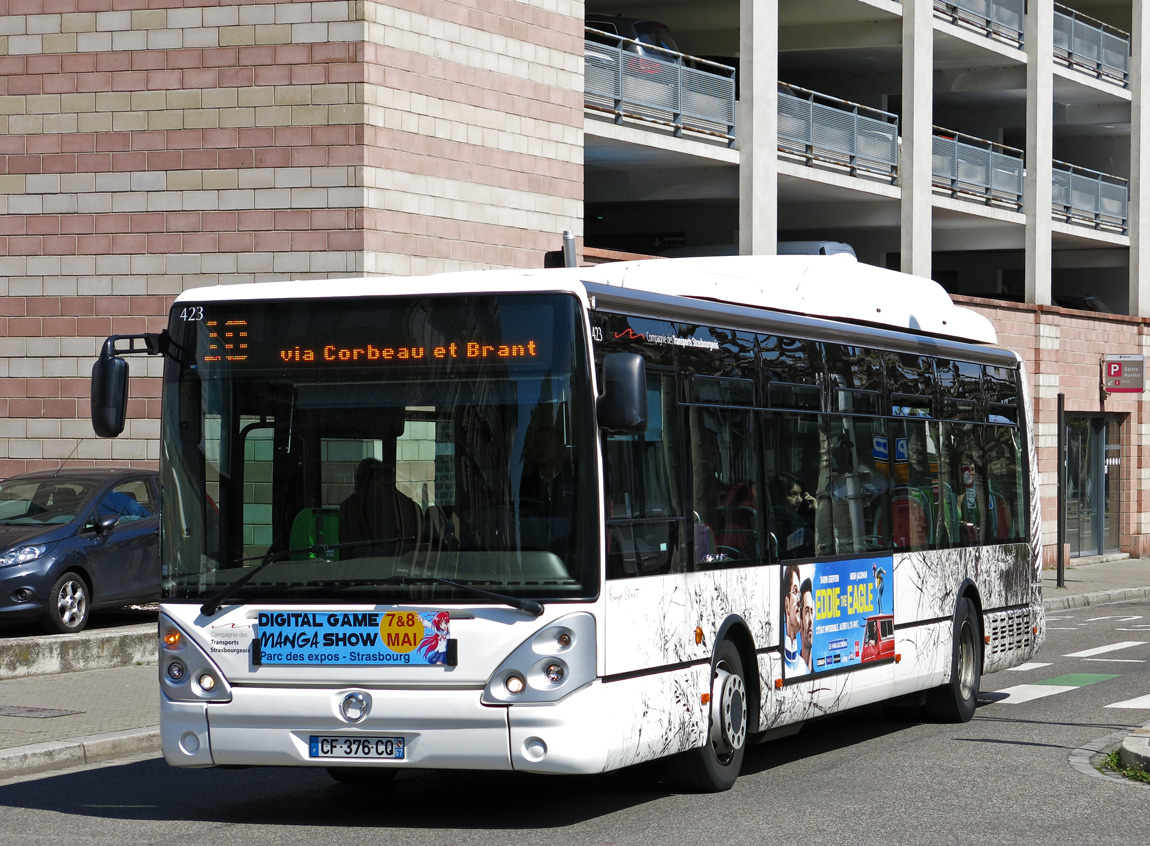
<point>94,698</point>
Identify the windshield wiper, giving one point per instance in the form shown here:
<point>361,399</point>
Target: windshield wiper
<point>532,607</point>
<point>214,602</point>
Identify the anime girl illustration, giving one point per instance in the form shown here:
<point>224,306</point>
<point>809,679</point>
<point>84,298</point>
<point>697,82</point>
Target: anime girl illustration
<point>434,645</point>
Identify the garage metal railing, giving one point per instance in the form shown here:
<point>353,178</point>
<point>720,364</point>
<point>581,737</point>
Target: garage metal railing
<point>1001,20</point>
<point>631,79</point>
<point>822,130</point>
<point>976,169</point>
<point>1088,45</point>
<point>1090,198</point>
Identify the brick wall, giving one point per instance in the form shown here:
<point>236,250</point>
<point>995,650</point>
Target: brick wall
<point>150,146</point>
<point>1062,350</point>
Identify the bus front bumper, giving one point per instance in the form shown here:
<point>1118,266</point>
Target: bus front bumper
<point>449,729</point>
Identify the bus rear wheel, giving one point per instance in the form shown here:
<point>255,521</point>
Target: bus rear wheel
<point>715,765</point>
<point>955,701</point>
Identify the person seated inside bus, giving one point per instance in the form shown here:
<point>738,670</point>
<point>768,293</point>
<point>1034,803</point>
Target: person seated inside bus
<point>794,513</point>
<point>546,491</point>
<point>380,518</point>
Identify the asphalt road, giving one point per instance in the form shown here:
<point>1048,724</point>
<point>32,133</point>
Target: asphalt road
<point>1020,772</point>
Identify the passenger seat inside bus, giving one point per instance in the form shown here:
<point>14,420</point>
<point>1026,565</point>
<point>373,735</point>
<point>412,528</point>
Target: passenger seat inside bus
<point>313,526</point>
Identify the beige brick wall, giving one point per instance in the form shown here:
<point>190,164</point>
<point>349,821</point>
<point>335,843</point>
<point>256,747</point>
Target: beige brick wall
<point>144,151</point>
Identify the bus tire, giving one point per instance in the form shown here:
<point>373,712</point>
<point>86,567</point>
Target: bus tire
<point>714,766</point>
<point>363,776</point>
<point>955,701</point>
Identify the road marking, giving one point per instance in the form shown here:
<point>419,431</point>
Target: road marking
<point>1059,684</point>
<point>1033,665</point>
<point>1096,619</point>
<point>1101,650</point>
<point>1117,660</point>
<point>1142,702</point>
<point>1026,692</point>
<point>1079,679</point>
<point>1128,619</point>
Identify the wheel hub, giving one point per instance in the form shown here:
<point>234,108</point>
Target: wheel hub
<point>728,712</point>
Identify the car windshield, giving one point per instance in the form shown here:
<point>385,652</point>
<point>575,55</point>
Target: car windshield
<point>42,501</point>
<point>376,450</point>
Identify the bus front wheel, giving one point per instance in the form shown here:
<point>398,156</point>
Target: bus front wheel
<point>715,765</point>
<point>954,702</point>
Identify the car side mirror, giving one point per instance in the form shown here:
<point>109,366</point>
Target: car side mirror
<point>104,524</point>
<point>109,393</point>
<point>622,407</point>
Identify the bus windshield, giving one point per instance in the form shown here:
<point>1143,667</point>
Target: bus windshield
<point>380,450</point>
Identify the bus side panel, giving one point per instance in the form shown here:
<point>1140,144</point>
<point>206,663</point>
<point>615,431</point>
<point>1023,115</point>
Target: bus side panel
<point>926,585</point>
<point>609,725</point>
<point>652,621</point>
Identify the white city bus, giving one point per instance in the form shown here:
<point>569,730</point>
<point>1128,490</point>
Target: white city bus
<point>542,520</point>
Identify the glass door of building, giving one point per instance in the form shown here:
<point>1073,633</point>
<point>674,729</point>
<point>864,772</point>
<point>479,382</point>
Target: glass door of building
<point>1093,484</point>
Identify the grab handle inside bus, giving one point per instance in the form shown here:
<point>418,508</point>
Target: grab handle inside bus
<point>622,407</point>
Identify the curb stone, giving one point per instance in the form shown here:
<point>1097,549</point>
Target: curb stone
<point>60,754</point>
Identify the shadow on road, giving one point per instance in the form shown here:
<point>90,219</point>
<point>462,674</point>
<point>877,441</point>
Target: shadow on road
<point>152,791</point>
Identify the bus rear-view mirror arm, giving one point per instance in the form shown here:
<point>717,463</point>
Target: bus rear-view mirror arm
<point>622,407</point>
<point>110,378</point>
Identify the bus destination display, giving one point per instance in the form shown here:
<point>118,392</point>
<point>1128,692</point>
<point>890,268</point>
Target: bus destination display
<point>341,339</point>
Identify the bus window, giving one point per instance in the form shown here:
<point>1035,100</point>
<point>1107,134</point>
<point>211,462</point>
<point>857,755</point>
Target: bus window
<point>914,510</point>
<point>794,455</point>
<point>855,491</point>
<point>643,515</point>
<point>965,483</point>
<point>1006,494</point>
<point>724,487</point>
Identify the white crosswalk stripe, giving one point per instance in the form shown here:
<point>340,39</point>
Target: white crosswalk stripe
<point>1028,692</point>
<point>1102,650</point>
<point>1141,702</point>
<point>1031,665</point>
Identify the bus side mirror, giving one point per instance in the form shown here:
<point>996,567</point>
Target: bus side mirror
<point>622,407</point>
<point>109,393</point>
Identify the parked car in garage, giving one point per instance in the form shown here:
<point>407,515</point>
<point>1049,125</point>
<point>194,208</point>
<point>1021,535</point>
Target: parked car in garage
<point>75,541</point>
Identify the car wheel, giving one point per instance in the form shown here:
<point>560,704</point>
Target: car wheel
<point>68,604</point>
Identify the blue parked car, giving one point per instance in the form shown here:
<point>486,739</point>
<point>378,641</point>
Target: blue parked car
<point>75,541</point>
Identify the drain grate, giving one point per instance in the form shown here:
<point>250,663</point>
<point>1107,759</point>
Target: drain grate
<point>36,713</point>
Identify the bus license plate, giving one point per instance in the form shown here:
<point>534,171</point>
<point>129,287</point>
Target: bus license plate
<point>324,746</point>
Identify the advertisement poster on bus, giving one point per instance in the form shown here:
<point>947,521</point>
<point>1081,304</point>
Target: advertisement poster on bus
<point>837,615</point>
<point>346,638</point>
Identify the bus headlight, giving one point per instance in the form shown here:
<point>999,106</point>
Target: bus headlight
<point>181,661</point>
<point>551,664</point>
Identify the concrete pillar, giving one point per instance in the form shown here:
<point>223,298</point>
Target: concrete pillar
<point>758,125</point>
<point>916,129</point>
<point>1139,164</point>
<point>1037,189</point>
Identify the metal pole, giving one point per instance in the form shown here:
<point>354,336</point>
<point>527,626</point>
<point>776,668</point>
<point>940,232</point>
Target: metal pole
<point>568,248</point>
<point>1061,498</point>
